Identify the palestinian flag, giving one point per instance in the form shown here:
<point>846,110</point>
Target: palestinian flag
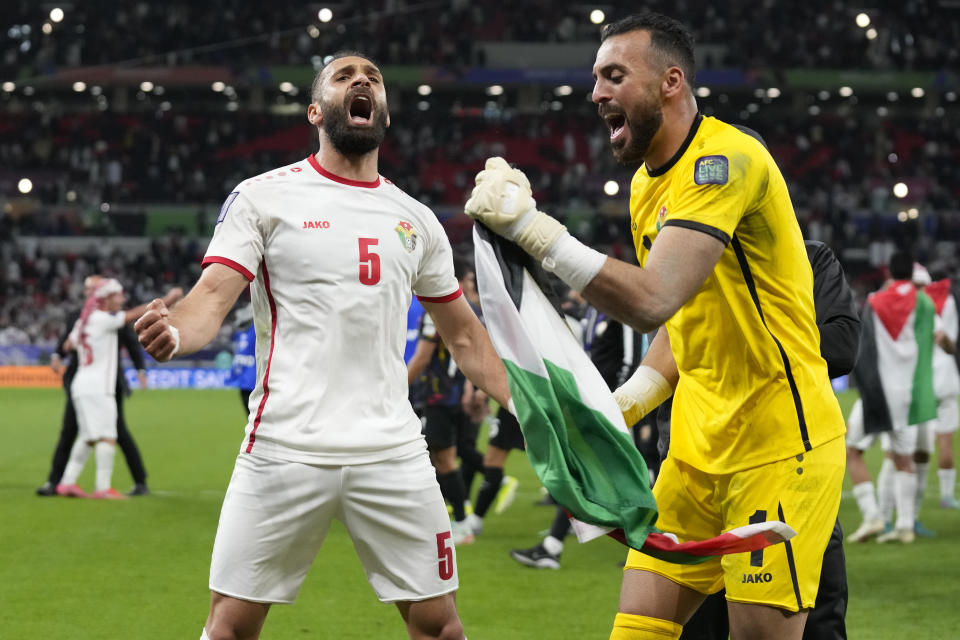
<point>576,438</point>
<point>894,370</point>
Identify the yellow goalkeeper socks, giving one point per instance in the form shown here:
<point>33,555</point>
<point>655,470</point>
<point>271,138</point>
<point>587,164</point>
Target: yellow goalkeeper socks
<point>630,627</point>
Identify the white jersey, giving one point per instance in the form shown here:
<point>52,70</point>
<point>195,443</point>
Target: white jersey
<point>96,354</point>
<point>333,263</point>
<point>946,378</point>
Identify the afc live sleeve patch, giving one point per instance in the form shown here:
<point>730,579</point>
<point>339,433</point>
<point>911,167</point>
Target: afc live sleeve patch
<point>710,170</point>
<point>226,206</point>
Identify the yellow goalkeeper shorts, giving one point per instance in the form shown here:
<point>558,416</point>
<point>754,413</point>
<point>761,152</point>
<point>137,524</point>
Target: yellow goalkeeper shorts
<point>803,491</point>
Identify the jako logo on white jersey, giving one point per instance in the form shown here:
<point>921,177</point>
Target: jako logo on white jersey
<point>316,224</point>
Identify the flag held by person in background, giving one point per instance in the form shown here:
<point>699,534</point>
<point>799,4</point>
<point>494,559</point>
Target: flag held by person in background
<point>576,438</point>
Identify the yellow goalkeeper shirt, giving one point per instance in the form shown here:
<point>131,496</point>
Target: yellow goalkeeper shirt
<point>753,387</point>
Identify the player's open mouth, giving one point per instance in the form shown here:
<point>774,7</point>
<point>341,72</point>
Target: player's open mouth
<point>361,108</point>
<point>617,124</point>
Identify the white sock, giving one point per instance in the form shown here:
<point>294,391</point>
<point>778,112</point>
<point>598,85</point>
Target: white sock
<point>867,501</point>
<point>78,457</point>
<point>921,469</point>
<point>948,482</point>
<point>105,451</point>
<point>885,492</point>
<point>906,489</point>
<point>553,546</point>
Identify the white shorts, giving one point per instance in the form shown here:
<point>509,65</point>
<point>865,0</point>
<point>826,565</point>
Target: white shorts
<point>276,515</point>
<point>948,415</point>
<point>96,417</point>
<point>902,440</point>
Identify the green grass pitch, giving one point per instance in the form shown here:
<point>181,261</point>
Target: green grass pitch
<point>82,569</point>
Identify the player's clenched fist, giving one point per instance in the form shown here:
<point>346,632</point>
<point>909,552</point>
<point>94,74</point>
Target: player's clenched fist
<point>160,339</point>
<point>503,201</point>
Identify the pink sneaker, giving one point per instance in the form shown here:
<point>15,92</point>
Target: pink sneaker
<point>71,491</point>
<point>109,494</point>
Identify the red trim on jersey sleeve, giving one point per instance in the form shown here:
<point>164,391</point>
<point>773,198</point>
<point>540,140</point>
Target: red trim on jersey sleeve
<point>266,373</point>
<point>351,183</point>
<point>236,266</point>
<point>447,298</point>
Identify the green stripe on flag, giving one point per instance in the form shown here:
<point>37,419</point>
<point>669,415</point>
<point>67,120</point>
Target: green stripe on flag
<point>587,464</point>
<point>923,401</point>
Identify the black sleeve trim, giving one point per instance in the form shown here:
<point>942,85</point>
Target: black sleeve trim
<point>719,234</point>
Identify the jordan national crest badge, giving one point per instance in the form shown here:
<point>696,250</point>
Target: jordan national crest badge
<point>407,235</point>
<point>660,217</point>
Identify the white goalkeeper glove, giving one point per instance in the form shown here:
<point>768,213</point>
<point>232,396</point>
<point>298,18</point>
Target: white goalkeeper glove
<point>503,201</point>
<point>643,392</point>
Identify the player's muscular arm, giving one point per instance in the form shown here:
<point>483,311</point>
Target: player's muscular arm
<point>195,320</point>
<point>470,346</point>
<point>644,298</point>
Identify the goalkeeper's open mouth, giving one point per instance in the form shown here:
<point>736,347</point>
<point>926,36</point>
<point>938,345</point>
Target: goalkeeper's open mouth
<point>617,123</point>
<point>361,109</point>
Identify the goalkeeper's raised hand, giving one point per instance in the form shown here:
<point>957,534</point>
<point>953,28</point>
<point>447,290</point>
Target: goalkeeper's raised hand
<point>502,200</point>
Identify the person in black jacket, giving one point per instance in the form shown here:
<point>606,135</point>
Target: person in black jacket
<point>68,430</point>
<point>839,325</point>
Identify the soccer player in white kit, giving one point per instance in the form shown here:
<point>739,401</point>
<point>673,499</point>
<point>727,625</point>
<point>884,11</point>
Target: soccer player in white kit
<point>333,251</point>
<point>93,389</point>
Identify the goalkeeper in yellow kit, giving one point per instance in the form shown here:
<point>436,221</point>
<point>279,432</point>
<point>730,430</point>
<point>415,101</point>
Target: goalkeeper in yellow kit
<point>757,431</point>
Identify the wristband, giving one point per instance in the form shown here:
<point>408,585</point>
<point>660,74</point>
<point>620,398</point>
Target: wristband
<point>573,262</point>
<point>642,393</point>
<point>176,340</point>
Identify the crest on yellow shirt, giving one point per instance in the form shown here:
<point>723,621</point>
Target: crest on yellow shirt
<point>660,217</point>
<point>407,235</point>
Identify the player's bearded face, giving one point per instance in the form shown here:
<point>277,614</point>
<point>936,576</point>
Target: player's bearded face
<point>633,127</point>
<point>357,124</point>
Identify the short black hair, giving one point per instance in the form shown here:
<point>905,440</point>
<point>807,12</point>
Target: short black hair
<point>901,265</point>
<point>462,265</point>
<point>668,37</point>
<point>343,53</point>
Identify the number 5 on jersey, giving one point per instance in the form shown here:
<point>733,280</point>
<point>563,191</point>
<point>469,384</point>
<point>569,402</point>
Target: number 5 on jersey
<point>369,262</point>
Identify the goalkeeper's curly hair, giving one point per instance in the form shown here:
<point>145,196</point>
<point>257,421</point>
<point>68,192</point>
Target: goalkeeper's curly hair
<point>669,38</point>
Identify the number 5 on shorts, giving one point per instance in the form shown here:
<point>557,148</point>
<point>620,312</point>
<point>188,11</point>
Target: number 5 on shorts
<point>445,555</point>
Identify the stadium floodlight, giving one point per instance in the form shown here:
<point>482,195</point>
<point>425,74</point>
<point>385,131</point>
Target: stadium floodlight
<point>232,106</point>
<point>863,20</point>
<point>495,90</point>
<point>892,96</point>
<point>900,190</point>
<point>29,91</point>
<point>423,105</point>
<point>597,16</point>
<point>146,86</point>
<point>25,185</point>
<point>56,14</point>
<point>813,110</point>
<point>286,87</point>
<point>9,86</point>
<point>951,96</point>
<point>71,195</point>
<point>893,158</point>
<point>79,86</point>
<point>424,89</point>
<point>871,34</point>
<point>218,86</point>
<point>846,92</point>
<point>913,213</point>
<point>902,216</point>
<point>325,15</point>
<point>773,92</point>
<point>917,92</point>
<point>105,207</point>
<point>611,187</point>
<point>703,92</point>
<point>313,31</point>
<point>47,28</point>
<point>563,90</point>
<point>883,112</point>
<point>823,94</point>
